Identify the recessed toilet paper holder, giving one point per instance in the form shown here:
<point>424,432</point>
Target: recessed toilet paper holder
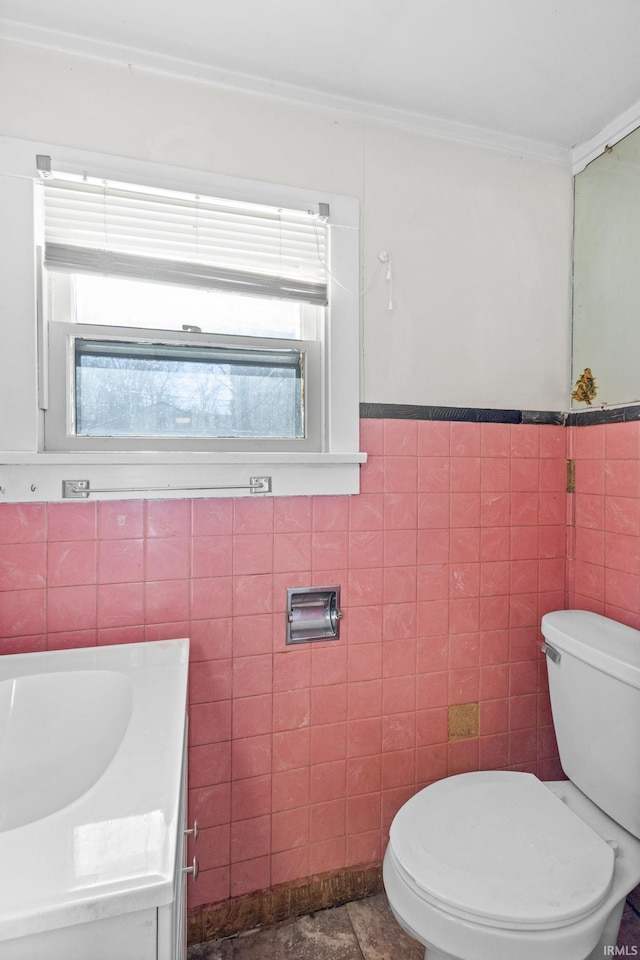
<point>313,613</point>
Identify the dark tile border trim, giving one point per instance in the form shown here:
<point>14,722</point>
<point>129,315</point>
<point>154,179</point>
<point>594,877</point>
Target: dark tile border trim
<point>590,418</point>
<point>284,902</point>
<point>407,411</point>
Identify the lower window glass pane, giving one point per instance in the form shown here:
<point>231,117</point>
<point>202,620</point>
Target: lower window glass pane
<point>127,389</point>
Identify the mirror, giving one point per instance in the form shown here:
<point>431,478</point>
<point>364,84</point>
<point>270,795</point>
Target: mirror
<point>606,278</point>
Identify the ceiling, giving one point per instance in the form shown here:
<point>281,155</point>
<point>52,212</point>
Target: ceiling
<point>540,76</point>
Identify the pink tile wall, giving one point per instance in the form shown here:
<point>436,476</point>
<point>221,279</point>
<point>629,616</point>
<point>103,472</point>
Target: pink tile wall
<point>300,756</point>
<point>604,572</point>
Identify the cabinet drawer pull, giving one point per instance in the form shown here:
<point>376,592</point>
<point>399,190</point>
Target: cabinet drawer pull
<point>193,869</point>
<point>194,832</point>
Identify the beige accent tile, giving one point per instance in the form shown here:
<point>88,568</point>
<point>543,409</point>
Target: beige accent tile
<point>463,721</point>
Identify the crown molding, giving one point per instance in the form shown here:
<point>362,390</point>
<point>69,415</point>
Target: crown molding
<point>242,83</point>
<point>615,131</point>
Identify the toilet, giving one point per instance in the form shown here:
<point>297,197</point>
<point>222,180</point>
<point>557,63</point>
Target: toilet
<point>498,865</point>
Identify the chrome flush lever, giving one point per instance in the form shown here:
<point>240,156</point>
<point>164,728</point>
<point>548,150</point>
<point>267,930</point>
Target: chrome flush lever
<point>551,652</point>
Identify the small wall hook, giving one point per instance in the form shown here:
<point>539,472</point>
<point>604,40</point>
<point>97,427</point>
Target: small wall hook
<point>385,257</point>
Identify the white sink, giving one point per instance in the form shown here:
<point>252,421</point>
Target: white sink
<point>59,732</point>
<point>91,778</point>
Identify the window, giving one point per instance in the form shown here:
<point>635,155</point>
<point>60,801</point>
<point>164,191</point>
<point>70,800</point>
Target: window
<point>126,389</point>
<point>158,341</point>
<point>178,321</point>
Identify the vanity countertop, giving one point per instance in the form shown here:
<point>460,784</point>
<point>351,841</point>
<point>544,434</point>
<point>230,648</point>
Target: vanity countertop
<point>91,749</point>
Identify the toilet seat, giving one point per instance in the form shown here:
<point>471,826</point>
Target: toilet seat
<point>501,849</point>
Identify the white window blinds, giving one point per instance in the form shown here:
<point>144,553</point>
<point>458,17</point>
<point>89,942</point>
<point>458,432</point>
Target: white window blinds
<point>125,231</point>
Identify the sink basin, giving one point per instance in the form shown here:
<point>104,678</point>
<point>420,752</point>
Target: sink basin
<point>59,732</point>
<point>92,780</point>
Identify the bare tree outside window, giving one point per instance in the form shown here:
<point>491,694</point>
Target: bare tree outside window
<point>153,390</point>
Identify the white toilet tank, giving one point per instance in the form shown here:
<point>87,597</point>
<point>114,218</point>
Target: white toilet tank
<point>595,700</point>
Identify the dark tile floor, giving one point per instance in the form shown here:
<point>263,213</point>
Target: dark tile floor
<point>362,930</point>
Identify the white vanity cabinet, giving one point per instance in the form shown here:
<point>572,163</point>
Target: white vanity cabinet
<point>132,936</point>
<point>104,877</point>
<point>172,918</point>
<point>151,934</point>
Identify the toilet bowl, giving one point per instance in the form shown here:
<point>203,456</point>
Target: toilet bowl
<point>498,865</point>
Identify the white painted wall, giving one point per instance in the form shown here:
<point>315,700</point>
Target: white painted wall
<point>480,241</point>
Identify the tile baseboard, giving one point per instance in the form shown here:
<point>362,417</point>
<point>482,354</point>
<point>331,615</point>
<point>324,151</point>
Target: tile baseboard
<point>283,902</point>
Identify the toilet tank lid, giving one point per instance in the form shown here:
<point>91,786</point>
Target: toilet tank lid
<point>603,643</point>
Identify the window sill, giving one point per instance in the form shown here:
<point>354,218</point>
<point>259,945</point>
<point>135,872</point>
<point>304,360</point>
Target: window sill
<point>31,477</point>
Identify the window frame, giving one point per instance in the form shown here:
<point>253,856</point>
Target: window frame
<point>33,473</point>
<point>59,417</point>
